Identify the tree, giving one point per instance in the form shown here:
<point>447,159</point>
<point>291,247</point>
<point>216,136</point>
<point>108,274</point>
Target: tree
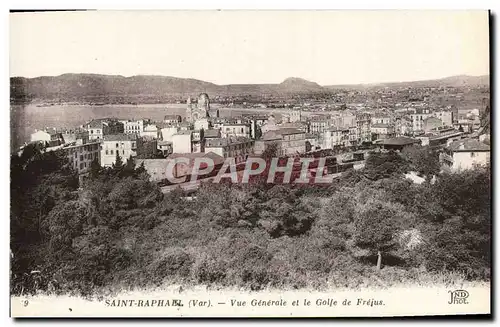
<point>95,169</point>
<point>422,159</point>
<point>384,165</point>
<point>118,164</point>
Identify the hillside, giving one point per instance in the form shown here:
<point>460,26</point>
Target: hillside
<point>83,86</point>
<point>452,81</point>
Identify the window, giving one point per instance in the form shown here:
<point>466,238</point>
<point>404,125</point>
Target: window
<point>81,165</point>
<point>472,154</point>
<point>123,151</point>
<point>91,131</point>
<point>85,165</point>
<point>117,145</point>
<point>106,152</point>
<point>112,152</point>
<point>81,158</point>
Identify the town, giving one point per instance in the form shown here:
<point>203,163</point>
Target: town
<point>305,127</point>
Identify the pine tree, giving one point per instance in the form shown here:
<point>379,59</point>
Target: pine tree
<point>95,169</point>
<point>118,164</point>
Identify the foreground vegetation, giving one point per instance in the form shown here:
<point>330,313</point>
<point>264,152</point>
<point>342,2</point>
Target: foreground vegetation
<point>119,231</point>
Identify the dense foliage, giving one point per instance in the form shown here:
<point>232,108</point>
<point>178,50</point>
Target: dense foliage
<point>118,230</point>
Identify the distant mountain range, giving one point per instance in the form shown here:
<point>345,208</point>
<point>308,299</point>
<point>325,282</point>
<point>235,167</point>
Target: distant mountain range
<point>452,81</point>
<point>83,86</point>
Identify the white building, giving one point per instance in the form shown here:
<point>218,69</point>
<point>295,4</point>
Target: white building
<point>182,142</point>
<point>236,129</point>
<point>150,131</point>
<point>234,147</point>
<point>465,154</point>
<point>125,145</point>
<point>335,137</point>
<point>167,133</point>
<point>133,126</point>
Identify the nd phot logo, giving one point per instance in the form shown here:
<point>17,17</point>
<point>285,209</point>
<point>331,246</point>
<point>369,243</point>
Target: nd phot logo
<point>458,297</point>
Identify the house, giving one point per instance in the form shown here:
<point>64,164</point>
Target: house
<point>97,128</point>
<point>49,136</point>
<point>133,126</point>
<point>318,124</point>
<point>125,145</point>
<point>212,134</point>
<point>396,143</point>
<point>236,129</point>
<point>465,154</point>
<point>238,148</point>
<point>80,154</point>
<point>182,142</point>
<point>382,131</point>
<point>183,168</point>
<point>335,137</point>
<point>165,147</point>
<point>150,131</point>
<point>289,142</point>
<point>172,119</point>
<point>431,123</point>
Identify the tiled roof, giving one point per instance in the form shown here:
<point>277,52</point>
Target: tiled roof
<point>399,141</point>
<point>468,145</point>
<point>226,141</point>
<point>212,133</point>
<point>191,156</point>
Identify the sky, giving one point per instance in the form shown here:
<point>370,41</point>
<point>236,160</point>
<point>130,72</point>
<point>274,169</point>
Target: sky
<point>236,47</point>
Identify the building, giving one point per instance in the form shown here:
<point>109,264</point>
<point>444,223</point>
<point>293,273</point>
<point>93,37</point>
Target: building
<point>72,135</point>
<point>335,137</point>
<point>396,143</point>
<point>182,142</point>
<point>363,124</point>
<point>318,125</point>
<point>312,142</point>
<point>419,116</point>
<point>382,131</point>
<point>236,129</point>
<point>403,126</point>
<point>166,133</point>
<point>386,120</point>
<point>133,126</point>
<point>181,169</point>
<point>294,116</point>
<point>49,136</point>
<point>200,110</point>
<point>238,148</point>
<point>151,132</point>
<point>440,137</point>
<point>465,154</point>
<point>98,128</point>
<point>165,147</point>
<point>198,141</point>
<point>289,142</point>
<point>212,134</point>
<point>125,145</point>
<point>80,155</point>
<point>172,119</point>
<point>431,123</point>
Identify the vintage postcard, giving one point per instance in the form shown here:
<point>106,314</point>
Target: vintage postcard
<point>225,163</point>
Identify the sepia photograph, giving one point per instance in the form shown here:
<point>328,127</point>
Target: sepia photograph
<point>250,163</point>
